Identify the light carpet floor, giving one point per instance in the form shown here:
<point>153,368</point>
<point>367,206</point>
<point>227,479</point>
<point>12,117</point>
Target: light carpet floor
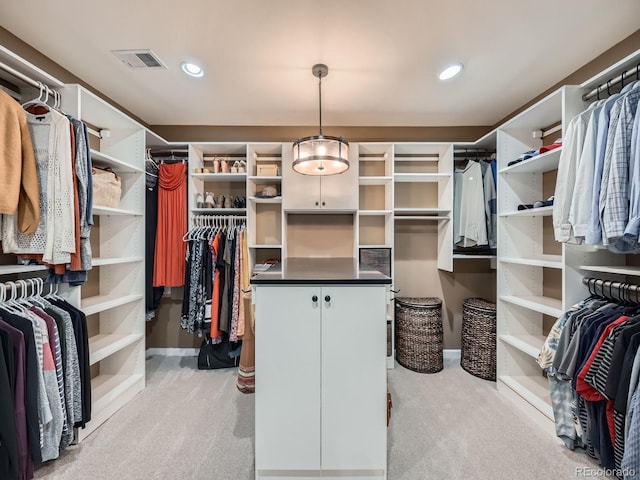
<point>190,424</point>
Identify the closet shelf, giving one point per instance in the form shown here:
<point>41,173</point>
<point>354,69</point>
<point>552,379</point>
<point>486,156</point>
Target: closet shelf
<point>373,158</point>
<point>103,345</point>
<point>262,180</point>
<point>107,396</point>
<point>11,269</point>
<point>618,270</point>
<point>545,162</point>
<point>120,166</point>
<point>107,211</point>
<point>548,261</point>
<point>422,218</point>
<point>422,211</point>
<point>529,344</point>
<point>420,177</point>
<point>99,262</point>
<point>214,211</point>
<point>532,212</point>
<point>417,158</point>
<point>462,256</point>
<point>277,199</point>
<point>534,390</point>
<point>265,245</point>
<point>220,177</point>
<point>366,213</point>
<point>100,303</point>
<point>373,245</point>
<point>374,180</point>
<point>545,305</point>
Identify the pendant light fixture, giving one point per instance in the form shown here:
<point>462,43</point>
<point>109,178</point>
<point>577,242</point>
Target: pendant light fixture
<point>320,154</point>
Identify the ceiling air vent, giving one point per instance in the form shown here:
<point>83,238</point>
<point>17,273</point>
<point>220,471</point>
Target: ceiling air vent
<point>139,58</point>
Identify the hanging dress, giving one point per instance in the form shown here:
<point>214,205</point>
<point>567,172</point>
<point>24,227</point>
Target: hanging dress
<point>172,225</point>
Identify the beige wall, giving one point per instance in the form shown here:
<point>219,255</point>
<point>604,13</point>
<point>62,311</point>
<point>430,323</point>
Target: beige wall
<point>164,331</point>
<point>417,275</point>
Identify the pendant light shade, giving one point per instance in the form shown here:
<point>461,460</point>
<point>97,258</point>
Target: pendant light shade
<point>320,154</point>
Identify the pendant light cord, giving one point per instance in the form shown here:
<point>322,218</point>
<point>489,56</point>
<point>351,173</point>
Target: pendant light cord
<point>320,100</point>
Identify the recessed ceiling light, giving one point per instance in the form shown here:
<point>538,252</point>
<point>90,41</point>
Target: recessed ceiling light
<point>450,71</point>
<point>192,69</point>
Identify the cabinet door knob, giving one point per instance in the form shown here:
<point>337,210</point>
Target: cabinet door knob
<point>314,298</point>
<point>323,204</point>
<point>327,298</point>
<point>316,204</point>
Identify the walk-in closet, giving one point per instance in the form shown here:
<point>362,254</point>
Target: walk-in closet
<point>290,241</point>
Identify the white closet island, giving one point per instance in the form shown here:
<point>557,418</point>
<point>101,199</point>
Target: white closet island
<point>321,370</point>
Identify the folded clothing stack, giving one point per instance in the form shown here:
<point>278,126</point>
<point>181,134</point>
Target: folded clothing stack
<point>540,203</point>
<point>535,153</point>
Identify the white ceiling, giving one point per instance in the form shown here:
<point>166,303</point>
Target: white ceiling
<point>383,55</point>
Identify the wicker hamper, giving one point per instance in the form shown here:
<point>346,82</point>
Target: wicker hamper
<point>478,355</point>
<point>419,334</point>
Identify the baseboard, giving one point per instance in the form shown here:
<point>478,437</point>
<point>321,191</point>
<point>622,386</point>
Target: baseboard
<point>451,354</point>
<point>171,352</point>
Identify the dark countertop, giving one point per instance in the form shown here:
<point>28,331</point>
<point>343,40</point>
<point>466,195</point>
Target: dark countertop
<point>326,271</point>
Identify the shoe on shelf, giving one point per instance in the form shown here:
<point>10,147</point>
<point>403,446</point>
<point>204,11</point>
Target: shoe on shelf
<point>220,201</point>
<point>199,200</point>
<point>216,165</point>
<point>234,167</point>
<point>206,170</point>
<point>228,202</point>
<point>224,166</point>
<point>242,167</point>
<point>209,200</point>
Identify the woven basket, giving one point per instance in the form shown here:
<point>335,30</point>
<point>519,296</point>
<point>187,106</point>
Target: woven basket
<point>478,355</point>
<point>419,334</point>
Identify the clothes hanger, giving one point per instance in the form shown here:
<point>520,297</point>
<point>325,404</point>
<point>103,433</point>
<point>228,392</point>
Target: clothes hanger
<point>38,99</point>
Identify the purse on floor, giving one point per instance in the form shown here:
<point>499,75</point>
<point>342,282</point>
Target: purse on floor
<point>107,187</point>
<point>216,355</point>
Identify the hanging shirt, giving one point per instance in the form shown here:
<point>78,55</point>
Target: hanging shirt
<point>19,192</point>
<point>472,227</point>
<point>614,204</point>
<point>594,233</point>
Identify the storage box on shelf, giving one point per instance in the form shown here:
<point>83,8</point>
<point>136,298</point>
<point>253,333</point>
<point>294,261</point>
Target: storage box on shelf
<point>113,297</point>
<point>423,190</point>
<point>264,202</point>
<point>532,293</point>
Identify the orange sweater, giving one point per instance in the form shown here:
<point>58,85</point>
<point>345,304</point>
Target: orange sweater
<point>18,179</point>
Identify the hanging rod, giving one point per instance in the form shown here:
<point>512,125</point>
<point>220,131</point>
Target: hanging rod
<point>607,288</point>
<point>21,76</point>
<point>614,81</point>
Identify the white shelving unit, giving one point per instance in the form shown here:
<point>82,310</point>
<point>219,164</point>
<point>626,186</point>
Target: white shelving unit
<point>113,297</point>
<point>423,190</point>
<point>375,217</point>
<point>265,216</point>
<point>531,265</point>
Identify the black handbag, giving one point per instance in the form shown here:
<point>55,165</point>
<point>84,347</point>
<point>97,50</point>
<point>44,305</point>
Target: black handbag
<point>217,355</point>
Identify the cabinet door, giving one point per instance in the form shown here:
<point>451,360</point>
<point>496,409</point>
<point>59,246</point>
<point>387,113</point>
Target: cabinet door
<point>354,378</point>
<point>340,192</point>
<point>287,377</point>
<point>299,192</point>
